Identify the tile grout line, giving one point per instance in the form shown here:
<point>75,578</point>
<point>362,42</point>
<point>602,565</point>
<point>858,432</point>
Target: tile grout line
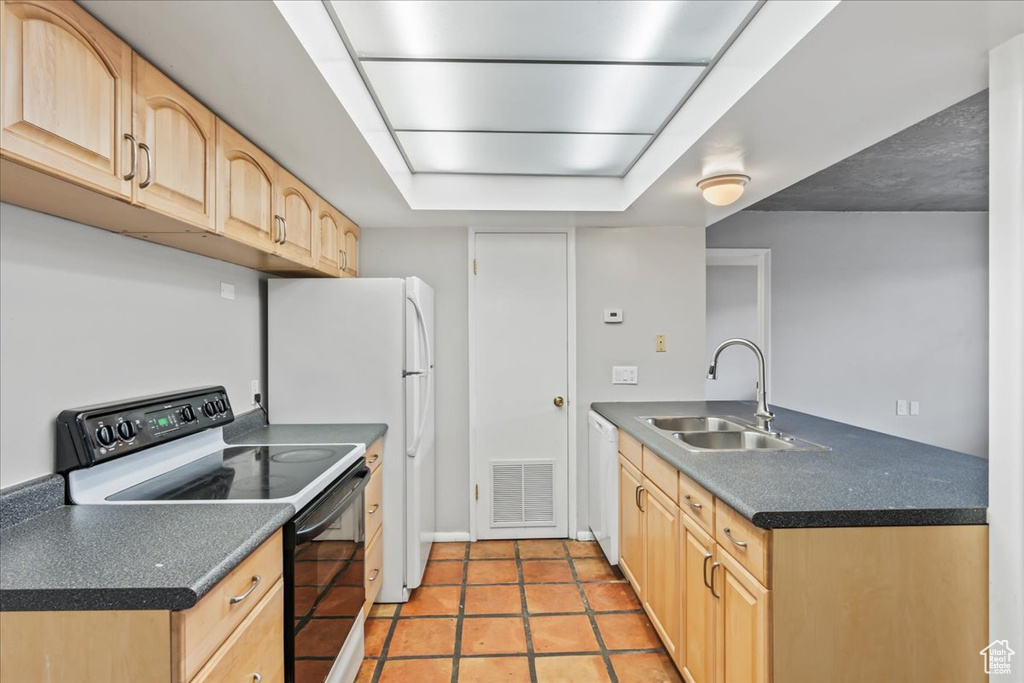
<point>378,667</point>
<point>460,617</point>
<point>531,660</point>
<point>593,619</point>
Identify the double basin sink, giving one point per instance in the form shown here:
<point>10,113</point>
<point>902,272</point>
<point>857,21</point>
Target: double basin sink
<point>712,433</point>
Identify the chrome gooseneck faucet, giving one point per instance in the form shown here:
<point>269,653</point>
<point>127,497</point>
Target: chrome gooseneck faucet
<point>763,415</point>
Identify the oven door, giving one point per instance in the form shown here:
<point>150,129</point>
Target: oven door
<point>323,575</point>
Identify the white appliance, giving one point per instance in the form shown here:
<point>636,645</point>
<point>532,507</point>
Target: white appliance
<point>360,351</point>
<point>603,463</point>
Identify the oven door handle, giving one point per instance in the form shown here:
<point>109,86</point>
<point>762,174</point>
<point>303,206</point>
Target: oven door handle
<point>355,483</point>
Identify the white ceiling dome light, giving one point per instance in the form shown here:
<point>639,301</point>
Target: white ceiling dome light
<point>722,190</point>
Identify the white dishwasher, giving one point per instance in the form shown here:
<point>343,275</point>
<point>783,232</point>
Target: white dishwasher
<point>603,463</point>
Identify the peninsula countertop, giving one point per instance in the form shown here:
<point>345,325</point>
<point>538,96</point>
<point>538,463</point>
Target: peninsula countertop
<point>866,478</point>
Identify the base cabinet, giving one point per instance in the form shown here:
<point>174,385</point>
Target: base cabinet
<point>733,603</point>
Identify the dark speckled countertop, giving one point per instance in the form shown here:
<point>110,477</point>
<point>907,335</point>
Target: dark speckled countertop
<point>139,557</point>
<point>865,479</point>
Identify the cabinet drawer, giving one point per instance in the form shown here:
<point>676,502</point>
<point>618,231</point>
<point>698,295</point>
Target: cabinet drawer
<point>375,454</point>
<point>631,449</point>
<point>374,567</point>
<point>664,475</point>
<point>199,631</point>
<point>696,502</point>
<point>748,544</point>
<point>256,646</point>
<point>372,500</point>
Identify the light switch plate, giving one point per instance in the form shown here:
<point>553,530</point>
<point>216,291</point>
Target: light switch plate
<point>227,290</point>
<point>915,407</point>
<point>613,315</point>
<point>624,374</point>
<point>902,406</point>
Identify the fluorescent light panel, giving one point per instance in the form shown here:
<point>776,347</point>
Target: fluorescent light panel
<point>532,87</point>
<point>521,153</point>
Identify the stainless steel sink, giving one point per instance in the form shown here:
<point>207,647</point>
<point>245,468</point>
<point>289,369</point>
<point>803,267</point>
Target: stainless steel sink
<point>710,433</point>
<point>733,441</point>
<point>694,424</point>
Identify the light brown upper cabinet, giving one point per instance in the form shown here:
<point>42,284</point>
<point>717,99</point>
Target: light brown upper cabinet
<point>350,253</point>
<point>67,95</point>
<point>296,213</point>
<point>177,140</point>
<point>246,189</point>
<point>328,252</point>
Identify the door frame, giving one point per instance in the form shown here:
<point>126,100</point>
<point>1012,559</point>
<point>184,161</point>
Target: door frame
<point>762,260</point>
<point>571,456</point>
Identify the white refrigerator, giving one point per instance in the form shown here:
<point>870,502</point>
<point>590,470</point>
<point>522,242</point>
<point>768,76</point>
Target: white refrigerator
<point>360,351</point>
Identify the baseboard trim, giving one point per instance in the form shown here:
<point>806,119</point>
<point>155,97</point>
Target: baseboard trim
<point>450,536</point>
<point>585,536</point>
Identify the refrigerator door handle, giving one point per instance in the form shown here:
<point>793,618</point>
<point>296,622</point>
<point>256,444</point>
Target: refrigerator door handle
<point>411,451</point>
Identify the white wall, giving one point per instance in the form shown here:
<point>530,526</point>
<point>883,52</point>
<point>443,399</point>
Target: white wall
<point>871,307</point>
<point>90,316</point>
<point>732,312</point>
<point>1006,320</point>
<point>655,274</point>
<point>438,255</point>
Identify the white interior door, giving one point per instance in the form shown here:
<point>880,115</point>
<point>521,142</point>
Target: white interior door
<point>521,338</point>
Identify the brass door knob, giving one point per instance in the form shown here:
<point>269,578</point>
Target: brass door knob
<point>559,401</point>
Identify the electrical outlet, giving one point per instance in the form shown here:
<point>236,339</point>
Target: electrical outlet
<point>659,343</point>
<point>227,290</point>
<point>902,406</point>
<point>915,407</point>
<point>624,374</point>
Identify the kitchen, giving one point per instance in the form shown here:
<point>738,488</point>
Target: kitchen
<point>149,318</point>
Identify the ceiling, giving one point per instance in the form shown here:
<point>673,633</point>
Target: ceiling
<point>939,164</point>
<point>532,88</point>
<point>858,73</point>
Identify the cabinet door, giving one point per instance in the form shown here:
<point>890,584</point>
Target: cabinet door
<point>297,208</point>
<point>67,95</point>
<point>246,184</point>
<point>630,525</point>
<point>350,257</point>
<point>696,653</point>
<point>742,636</point>
<point>177,140</point>
<point>329,245</point>
<point>661,564</point>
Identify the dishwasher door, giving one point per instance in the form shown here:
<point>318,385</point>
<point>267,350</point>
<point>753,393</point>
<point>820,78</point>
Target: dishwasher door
<point>603,465</point>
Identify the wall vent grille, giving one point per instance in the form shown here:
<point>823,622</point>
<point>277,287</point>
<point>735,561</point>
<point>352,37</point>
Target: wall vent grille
<point>523,493</point>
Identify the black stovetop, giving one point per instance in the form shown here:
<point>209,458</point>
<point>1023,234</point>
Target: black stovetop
<point>240,473</point>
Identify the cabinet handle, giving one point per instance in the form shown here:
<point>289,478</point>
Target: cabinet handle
<point>149,166</point>
<point>278,221</point>
<point>344,260</point>
<point>375,458</point>
<point>238,598</point>
<point>257,677</point>
<point>375,507</point>
<point>639,497</point>
<point>741,544</point>
<point>284,224</point>
<point>376,573</point>
<point>704,570</point>
<point>715,566</point>
<point>135,157</point>
<point>694,504</point>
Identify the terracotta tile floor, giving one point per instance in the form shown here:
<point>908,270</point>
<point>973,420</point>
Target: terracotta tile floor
<point>533,610</point>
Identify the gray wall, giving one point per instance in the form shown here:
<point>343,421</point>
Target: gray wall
<point>655,274</point>
<point>732,312</point>
<point>871,307</point>
<point>91,316</point>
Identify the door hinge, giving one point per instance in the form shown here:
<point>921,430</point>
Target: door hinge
<point>474,267</point>
<point>477,491</point>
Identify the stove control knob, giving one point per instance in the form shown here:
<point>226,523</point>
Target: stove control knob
<point>188,414</point>
<point>210,409</point>
<point>222,407</point>
<point>126,430</point>
<point>105,435</point>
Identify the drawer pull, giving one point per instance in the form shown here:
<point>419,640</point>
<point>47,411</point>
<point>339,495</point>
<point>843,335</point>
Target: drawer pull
<point>376,456</point>
<point>373,509</point>
<point>694,504</point>
<point>238,598</point>
<point>742,544</point>
<point>376,573</point>
<point>704,570</point>
<point>257,677</point>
